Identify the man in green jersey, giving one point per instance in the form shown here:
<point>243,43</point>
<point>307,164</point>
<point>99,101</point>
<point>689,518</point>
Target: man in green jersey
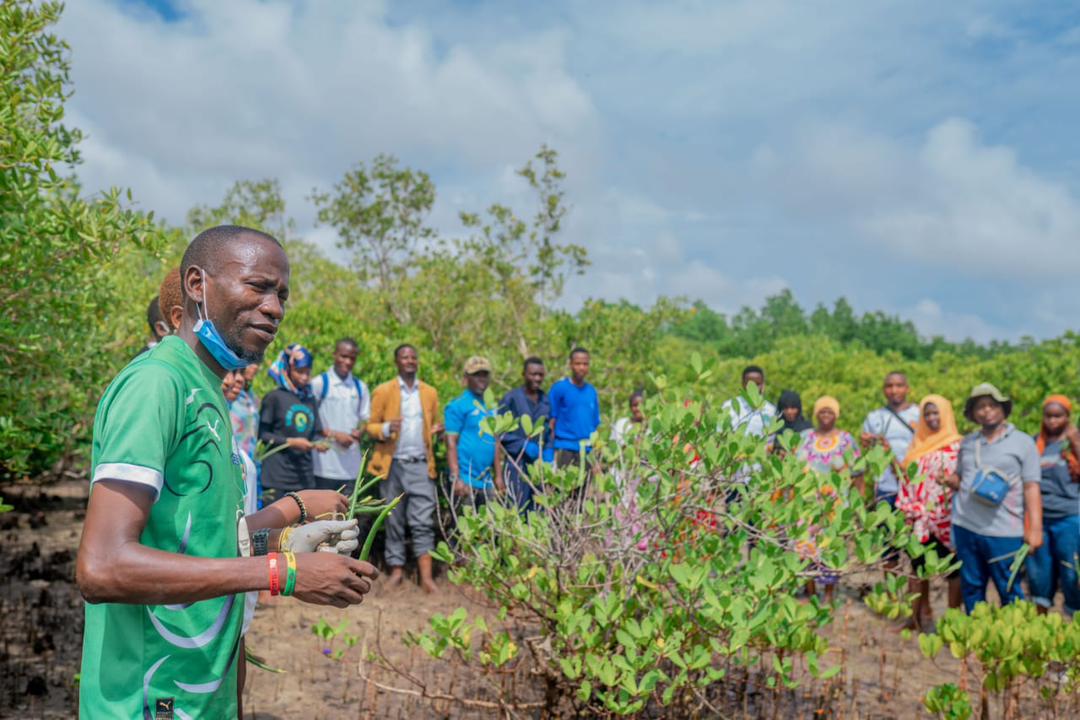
<point>159,563</point>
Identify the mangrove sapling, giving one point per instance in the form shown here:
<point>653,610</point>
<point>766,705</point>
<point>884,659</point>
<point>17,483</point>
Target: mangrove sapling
<point>360,488</point>
<point>365,551</point>
<point>625,628</point>
<point>1011,646</point>
<point>263,451</point>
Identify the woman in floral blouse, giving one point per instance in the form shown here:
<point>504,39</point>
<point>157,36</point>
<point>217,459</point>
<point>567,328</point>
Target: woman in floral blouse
<point>826,448</point>
<point>926,501</point>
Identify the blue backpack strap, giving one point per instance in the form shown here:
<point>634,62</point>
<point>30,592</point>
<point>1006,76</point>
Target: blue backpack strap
<point>325,377</point>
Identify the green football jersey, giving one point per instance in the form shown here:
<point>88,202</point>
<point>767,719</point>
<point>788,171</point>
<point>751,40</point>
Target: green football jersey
<point>163,423</point>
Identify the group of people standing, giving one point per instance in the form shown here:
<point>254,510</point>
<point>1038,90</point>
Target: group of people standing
<point>173,549</point>
<point>322,419</point>
<point>980,496</point>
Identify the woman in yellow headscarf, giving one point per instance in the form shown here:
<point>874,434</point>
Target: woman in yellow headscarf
<point>924,498</point>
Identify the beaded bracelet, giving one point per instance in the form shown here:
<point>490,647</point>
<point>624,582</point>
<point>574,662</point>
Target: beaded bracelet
<point>303,508</point>
<point>290,578</point>
<point>272,561</point>
<point>260,539</point>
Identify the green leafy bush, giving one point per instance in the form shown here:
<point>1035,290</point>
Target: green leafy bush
<point>56,335</point>
<point>1007,647</point>
<point>666,578</point>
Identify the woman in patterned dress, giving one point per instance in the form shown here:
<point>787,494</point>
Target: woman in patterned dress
<point>926,501</point>
<point>826,448</point>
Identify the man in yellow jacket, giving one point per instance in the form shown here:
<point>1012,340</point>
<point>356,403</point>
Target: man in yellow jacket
<point>403,422</point>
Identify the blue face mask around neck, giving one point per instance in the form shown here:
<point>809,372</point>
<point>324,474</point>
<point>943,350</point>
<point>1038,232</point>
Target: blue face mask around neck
<point>211,339</point>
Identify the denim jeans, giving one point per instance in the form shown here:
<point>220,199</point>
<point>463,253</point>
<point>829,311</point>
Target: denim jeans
<point>986,558</point>
<point>1054,564</point>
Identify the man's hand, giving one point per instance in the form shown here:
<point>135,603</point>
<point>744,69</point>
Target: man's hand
<point>460,489</point>
<point>437,428</point>
<point>868,439</point>
<point>340,536</point>
<point>301,444</point>
<point>951,481</point>
<point>357,434</point>
<point>326,579</point>
<point>395,426</point>
<point>1034,537</point>
<point>322,502</point>
<point>343,439</point>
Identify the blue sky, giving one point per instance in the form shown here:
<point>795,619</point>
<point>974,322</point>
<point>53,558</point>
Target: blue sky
<point>915,157</point>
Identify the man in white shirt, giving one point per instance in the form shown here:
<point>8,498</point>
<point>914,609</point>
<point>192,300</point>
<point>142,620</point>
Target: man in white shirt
<point>744,418</point>
<point>344,407</point>
<point>893,427</point>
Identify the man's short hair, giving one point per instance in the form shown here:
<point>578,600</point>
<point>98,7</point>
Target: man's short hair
<point>170,294</point>
<point>639,393</point>
<point>204,251</point>
<point>153,315</point>
<point>402,346</point>
<point>347,341</point>
<point>577,351</point>
<point>752,369</point>
<point>533,360</point>
<point>896,373</point>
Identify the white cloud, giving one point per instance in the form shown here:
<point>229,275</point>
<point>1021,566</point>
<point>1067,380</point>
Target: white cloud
<point>252,89</point>
<point>952,201</point>
<point>932,320</point>
<point>702,141</point>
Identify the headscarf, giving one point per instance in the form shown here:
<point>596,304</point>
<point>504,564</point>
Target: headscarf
<point>927,441</point>
<point>1040,442</point>
<point>791,399</point>
<point>827,402</point>
<point>295,356</point>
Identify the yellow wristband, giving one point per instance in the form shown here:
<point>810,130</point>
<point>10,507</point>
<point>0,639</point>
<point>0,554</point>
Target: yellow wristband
<point>283,539</point>
<point>290,580</point>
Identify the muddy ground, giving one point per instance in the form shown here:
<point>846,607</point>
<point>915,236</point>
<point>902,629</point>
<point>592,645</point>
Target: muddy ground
<point>41,626</point>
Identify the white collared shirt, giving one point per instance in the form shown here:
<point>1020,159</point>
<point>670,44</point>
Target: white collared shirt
<point>344,405</point>
<point>410,442</point>
<point>745,419</point>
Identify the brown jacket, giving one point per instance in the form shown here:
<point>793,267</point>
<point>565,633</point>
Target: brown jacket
<point>386,406</point>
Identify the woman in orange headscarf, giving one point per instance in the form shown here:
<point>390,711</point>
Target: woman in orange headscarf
<point>925,500</point>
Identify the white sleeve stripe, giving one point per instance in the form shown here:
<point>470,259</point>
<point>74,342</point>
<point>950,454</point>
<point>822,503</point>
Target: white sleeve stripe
<point>130,473</point>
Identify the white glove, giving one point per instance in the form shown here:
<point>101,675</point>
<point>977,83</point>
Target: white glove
<point>340,536</point>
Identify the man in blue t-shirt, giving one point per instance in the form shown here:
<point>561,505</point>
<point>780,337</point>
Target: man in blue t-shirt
<point>575,411</point>
<point>473,456</point>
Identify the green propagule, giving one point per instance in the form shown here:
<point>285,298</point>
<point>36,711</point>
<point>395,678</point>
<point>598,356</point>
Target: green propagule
<point>359,505</point>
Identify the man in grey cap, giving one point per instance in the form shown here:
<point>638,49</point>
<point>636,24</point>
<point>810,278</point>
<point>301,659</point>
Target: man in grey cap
<point>473,455</point>
<point>998,505</point>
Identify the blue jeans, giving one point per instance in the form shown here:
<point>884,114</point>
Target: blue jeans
<point>984,558</point>
<point>1054,564</point>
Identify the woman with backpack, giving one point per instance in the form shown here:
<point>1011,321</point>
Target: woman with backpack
<point>289,417</point>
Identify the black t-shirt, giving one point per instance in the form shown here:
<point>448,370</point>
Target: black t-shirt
<point>284,415</point>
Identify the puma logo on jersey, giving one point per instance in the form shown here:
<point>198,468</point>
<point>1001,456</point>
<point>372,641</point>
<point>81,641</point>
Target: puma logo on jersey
<point>191,397</point>
<point>213,428</point>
